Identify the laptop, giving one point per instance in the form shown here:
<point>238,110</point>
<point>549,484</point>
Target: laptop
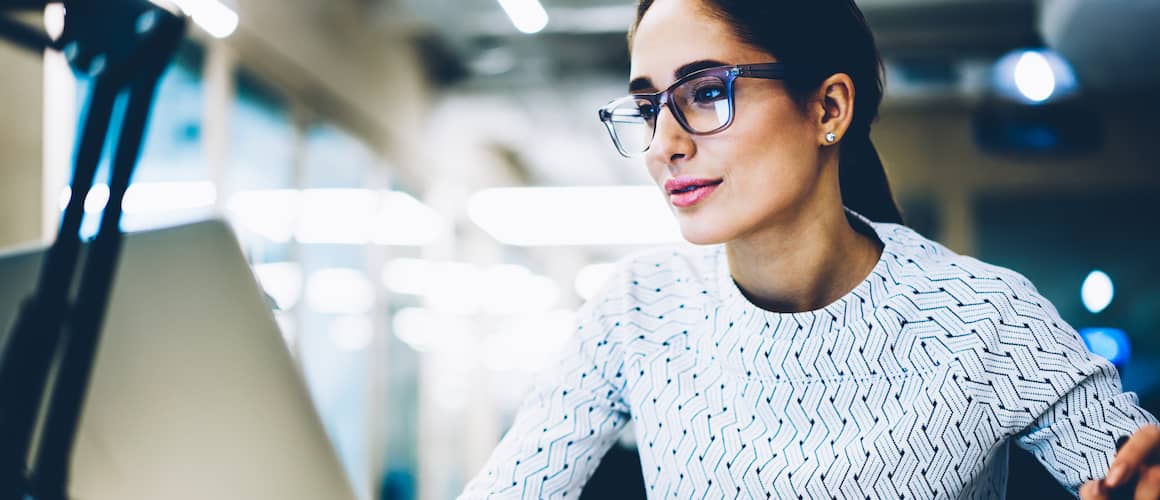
<point>194,393</point>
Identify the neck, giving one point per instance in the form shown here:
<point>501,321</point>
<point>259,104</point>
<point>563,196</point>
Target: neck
<point>803,262</point>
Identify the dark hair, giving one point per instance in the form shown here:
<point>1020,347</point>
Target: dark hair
<point>820,38</point>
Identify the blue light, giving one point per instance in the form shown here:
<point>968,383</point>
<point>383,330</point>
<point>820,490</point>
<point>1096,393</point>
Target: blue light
<point>1109,343</point>
<point>1034,76</point>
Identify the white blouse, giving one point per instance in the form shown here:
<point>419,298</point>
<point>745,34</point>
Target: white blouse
<point>910,386</point>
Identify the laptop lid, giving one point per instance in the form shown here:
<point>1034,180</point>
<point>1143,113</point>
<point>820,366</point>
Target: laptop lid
<point>194,393</point>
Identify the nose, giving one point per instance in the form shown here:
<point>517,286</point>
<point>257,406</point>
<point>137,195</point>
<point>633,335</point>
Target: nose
<point>670,142</point>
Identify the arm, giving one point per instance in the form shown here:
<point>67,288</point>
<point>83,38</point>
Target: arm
<point>1075,439</point>
<point>1075,436</point>
<point>567,424</point>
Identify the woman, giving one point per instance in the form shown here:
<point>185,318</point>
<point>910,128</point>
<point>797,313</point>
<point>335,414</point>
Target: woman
<point>804,351</point>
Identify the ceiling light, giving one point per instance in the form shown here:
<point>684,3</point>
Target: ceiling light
<point>527,15</point>
<point>547,216</point>
<point>1097,291</point>
<point>214,17</point>
<point>1034,76</point>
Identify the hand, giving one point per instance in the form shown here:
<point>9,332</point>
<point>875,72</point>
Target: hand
<point>1135,468</point>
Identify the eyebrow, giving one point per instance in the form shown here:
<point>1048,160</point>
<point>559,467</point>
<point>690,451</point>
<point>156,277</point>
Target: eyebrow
<point>643,83</point>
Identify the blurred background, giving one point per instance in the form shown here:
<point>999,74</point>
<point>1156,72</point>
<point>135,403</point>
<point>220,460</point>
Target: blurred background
<point>426,194</point>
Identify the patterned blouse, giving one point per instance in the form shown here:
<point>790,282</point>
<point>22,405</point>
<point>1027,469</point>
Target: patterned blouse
<point>910,386</point>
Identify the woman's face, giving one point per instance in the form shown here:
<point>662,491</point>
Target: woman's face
<point>756,172</point>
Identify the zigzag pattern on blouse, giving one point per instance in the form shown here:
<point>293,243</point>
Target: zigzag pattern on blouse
<point>911,386</point>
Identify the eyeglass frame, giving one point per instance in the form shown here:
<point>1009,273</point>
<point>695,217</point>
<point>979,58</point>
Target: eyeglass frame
<point>729,74</point>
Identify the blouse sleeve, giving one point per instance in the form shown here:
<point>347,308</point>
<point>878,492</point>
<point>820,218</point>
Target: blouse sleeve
<point>1083,410</point>
<point>568,423</point>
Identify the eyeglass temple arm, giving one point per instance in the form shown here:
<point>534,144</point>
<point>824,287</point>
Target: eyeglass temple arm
<point>771,72</point>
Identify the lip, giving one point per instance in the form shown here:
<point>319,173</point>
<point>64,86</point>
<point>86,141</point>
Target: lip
<point>684,181</point>
<point>702,188</point>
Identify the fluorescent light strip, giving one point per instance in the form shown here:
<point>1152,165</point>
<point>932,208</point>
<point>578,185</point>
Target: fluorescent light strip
<point>337,216</point>
<point>527,15</point>
<point>339,291</point>
<point>169,196</point>
<point>526,343</point>
<point>216,18</point>
<point>150,197</point>
<point>466,288</point>
<point>552,216</point>
<point>268,213</point>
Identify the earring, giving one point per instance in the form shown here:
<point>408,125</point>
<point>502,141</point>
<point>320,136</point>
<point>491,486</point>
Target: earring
<point>830,137</point>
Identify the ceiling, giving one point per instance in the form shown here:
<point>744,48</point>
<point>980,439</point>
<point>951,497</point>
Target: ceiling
<point>548,85</point>
<point>1111,43</point>
<point>1108,41</point>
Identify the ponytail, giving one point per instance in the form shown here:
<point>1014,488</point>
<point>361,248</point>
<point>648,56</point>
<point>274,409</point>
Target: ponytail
<point>862,180</point>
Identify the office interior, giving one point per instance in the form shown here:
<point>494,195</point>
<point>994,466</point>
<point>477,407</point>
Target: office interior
<point>426,196</point>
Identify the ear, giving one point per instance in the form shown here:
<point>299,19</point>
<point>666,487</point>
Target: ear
<point>835,109</point>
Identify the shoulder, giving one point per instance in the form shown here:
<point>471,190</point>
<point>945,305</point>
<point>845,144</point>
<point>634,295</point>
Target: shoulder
<point>662,273</point>
<point>925,264</point>
<point>650,287</point>
<point>997,307</point>
<point>673,260</point>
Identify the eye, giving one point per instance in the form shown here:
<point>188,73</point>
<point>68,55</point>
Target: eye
<point>709,93</point>
<point>646,110</point>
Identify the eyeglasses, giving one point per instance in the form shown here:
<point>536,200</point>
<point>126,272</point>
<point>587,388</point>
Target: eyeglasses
<point>702,102</point>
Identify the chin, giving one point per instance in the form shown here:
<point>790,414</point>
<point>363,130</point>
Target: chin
<point>704,232</point>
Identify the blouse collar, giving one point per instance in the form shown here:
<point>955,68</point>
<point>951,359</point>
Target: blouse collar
<point>738,307</point>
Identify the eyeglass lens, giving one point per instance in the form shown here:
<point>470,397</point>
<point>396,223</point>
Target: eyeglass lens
<point>703,104</point>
